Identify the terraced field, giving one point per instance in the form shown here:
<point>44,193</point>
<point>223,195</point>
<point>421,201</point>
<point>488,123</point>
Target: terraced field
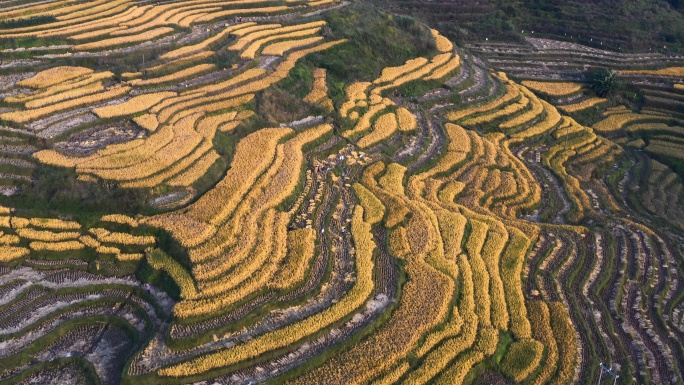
<point>318,192</point>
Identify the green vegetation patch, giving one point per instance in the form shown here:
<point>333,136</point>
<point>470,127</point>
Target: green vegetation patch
<point>522,359</point>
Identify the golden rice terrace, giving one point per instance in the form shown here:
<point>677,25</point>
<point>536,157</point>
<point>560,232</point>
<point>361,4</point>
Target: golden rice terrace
<point>322,192</point>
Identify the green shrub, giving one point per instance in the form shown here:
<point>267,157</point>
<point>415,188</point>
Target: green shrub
<point>522,359</point>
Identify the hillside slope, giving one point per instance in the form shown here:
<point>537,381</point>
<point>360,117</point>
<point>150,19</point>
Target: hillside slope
<point>618,24</point>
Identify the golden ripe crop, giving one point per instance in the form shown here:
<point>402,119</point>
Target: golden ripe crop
<point>553,88</point>
<point>319,2</point>
<point>251,37</point>
<point>105,26</point>
<point>511,268</point>
<point>140,159</point>
<point>584,104</point>
<point>36,7</point>
<point>491,254</point>
<point>553,117</point>
<point>459,369</point>
<point>8,239</point>
<point>450,191</point>
<point>117,41</point>
<point>390,73</point>
<point>512,92</point>
<point>102,19</point>
<point>616,110</point>
<point>393,376</point>
<point>256,151</point>
<point>54,76</point>
<point>442,43</point>
<point>281,47</point>
<point>568,127</point>
<point>393,180</point>
<point>18,222</point>
<point>196,171</point>
<point>253,155</point>
<point>300,250</point>
<point>290,61</point>
<point>208,125</point>
<point>435,63</point>
<point>527,116</point>
<point>66,21</point>
<point>463,320</point>
<point>384,127</point>
<point>499,113</point>
<point>47,236</point>
<point>355,92</point>
<point>108,250</point>
<point>374,99</point>
<point>89,241</point>
<point>397,211</point>
<point>233,12</point>
<point>10,253</point>
<point>165,169</point>
<point>540,320</point>
<point>182,74</point>
<point>250,74</point>
<point>105,236</point>
<point>161,261</point>
<point>458,138</point>
<point>487,340</point>
<point>565,335</point>
<point>481,277</point>
<point>168,66</point>
<point>94,9</point>
<point>287,178</point>
<point>120,219</point>
<point>188,49</point>
<point>73,93</point>
<point>129,256</point>
<point>56,224</point>
<point>250,51</point>
<point>441,358</point>
<point>424,303</point>
<point>364,123</point>
<point>398,242</point>
<point>25,116</point>
<point>665,148</point>
<point>246,274</point>
<point>136,104</point>
<point>186,18</point>
<point>154,17</point>
<point>616,122</point>
<point>92,34</point>
<point>319,91</point>
<point>114,156</point>
<point>202,104</point>
<point>56,246</point>
<point>446,69</point>
<point>147,121</point>
<point>653,127</point>
<point>363,287</point>
<point>246,28</point>
<point>407,122</point>
<point>373,208</point>
<point>670,71</point>
<point>67,85</point>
